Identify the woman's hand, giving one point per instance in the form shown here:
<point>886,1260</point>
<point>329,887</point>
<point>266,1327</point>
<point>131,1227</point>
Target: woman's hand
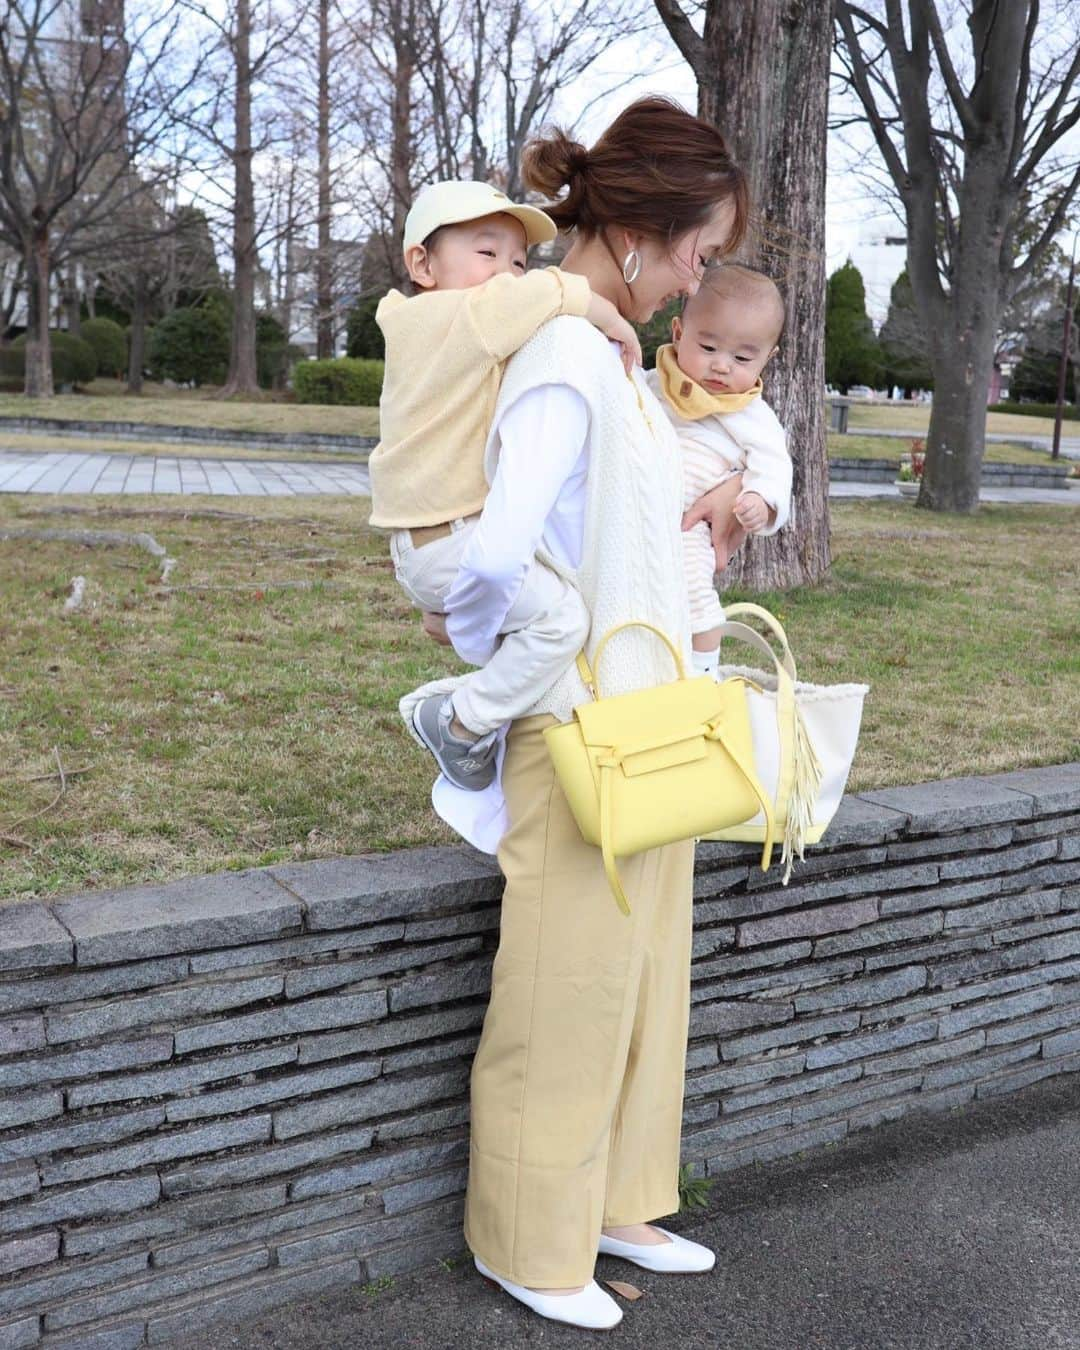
<point>717,507</point>
<point>435,628</point>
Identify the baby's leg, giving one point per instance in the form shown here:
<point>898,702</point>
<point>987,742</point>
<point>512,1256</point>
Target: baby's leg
<point>544,631</point>
<point>706,612</point>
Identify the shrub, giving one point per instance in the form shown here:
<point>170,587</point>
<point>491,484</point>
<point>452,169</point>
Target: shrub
<point>12,365</point>
<point>1072,410</point>
<point>109,344</point>
<point>363,337</point>
<point>344,380</point>
<point>190,346</point>
<point>73,360</point>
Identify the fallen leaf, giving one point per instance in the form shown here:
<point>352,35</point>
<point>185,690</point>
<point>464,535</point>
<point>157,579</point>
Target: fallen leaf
<point>628,1291</point>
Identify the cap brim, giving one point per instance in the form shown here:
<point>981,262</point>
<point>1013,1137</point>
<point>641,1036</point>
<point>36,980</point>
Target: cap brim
<point>539,227</point>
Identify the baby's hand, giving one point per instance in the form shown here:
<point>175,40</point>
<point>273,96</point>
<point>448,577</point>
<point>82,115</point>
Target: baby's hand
<point>752,511</point>
<point>603,315</point>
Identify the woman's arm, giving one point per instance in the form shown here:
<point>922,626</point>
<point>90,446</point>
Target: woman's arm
<point>542,436</point>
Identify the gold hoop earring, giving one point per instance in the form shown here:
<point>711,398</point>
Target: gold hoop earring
<point>631,270</point>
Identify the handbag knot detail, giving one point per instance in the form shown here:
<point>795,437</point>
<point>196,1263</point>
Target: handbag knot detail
<point>655,766</point>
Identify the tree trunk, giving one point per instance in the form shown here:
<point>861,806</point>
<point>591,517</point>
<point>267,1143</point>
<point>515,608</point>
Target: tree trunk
<point>137,352</point>
<point>401,143</point>
<point>38,379</point>
<point>963,364</point>
<point>242,377</point>
<point>765,84</point>
<point>324,298</point>
<point>71,300</point>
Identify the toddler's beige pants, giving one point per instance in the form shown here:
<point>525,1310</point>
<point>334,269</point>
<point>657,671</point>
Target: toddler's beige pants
<point>577,1084</point>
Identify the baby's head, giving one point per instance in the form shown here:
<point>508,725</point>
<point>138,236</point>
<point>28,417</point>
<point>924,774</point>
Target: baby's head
<point>729,329</point>
<point>460,234</point>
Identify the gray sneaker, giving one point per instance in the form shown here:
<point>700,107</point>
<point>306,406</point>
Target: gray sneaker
<point>467,764</point>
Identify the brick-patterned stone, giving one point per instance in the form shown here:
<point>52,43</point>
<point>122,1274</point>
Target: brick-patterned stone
<point>953,803</point>
<point>1042,829</point>
<point>979,1066</point>
<point>1024,1028</point>
<point>242,1168</point>
<point>911,901</point>
<point>369,1235</point>
<point>460,981</point>
<point>77,1133</point>
<point>924,952</point>
<point>996,1010</point>
<point>84,1063</point>
<point>858,820</point>
<point>15,1335</point>
<point>32,937</point>
<point>416,1253</point>
<point>117,1195</point>
<point>297,948</point>
<point>393,1032</point>
<point>311,1015</point>
<point>248,1299</point>
<point>722,1018</point>
<point>799,923</point>
<point>839,1103</point>
<point>159,1008</point>
<point>378,1166</point>
<point>18,1180</point>
<point>364,1103</point>
<point>1067,1043</point>
<point>22,1033</point>
<point>108,1335</point>
<point>781,1144</point>
<point>880,934</point>
<point>183,916</point>
<point>817,863</point>
<point>426,1055</point>
<point>801,1030</point>
<point>873,989</point>
<point>27,1107</point>
<point>851,1048</point>
<point>946,845</point>
<point>1015,1079</point>
<point>1003,909</point>
<point>1006,860</point>
<point>1054,788</point>
<point>329,975</point>
<point>21,1252</point>
<point>342,892</point>
<point>280,1088</point>
<point>160,1147</point>
<point>712,939</point>
<point>739,1075</point>
<point>783,1089</point>
<point>48,991</point>
<point>43,1286</point>
<point>178,1079</point>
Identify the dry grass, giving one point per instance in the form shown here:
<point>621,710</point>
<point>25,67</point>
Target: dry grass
<point>106,401</point>
<point>869,416</point>
<point>228,728</point>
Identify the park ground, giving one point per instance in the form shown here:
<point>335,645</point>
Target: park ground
<point>244,712</point>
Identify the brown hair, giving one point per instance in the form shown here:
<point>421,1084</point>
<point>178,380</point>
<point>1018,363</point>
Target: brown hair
<point>657,169</point>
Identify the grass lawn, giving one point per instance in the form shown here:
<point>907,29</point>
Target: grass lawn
<point>868,416</point>
<point>851,446</point>
<point>34,444</point>
<point>106,401</point>
<point>244,724</point>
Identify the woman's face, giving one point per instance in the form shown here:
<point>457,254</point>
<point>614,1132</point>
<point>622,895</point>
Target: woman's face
<point>671,270</point>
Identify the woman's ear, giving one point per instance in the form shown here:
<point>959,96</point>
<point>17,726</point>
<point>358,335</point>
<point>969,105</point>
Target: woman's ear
<point>676,331</point>
<point>418,266</point>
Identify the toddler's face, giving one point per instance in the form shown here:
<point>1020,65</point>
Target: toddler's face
<point>724,344</point>
<point>471,253</point>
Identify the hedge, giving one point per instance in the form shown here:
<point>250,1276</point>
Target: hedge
<point>1072,411</point>
<point>73,360</point>
<point>190,346</point>
<point>344,380</point>
<point>109,343</point>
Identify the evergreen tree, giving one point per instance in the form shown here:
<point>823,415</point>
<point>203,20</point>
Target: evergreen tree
<point>852,355</point>
<point>904,346</point>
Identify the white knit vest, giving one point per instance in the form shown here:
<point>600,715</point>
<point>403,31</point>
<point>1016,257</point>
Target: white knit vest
<point>632,564</point>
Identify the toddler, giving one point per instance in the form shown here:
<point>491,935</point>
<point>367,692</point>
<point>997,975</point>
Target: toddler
<point>709,381</point>
<point>465,250</point>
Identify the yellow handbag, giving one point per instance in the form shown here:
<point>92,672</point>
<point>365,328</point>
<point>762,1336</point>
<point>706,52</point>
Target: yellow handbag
<point>658,765</point>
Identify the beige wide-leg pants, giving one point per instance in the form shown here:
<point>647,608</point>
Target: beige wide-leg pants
<point>577,1085</point>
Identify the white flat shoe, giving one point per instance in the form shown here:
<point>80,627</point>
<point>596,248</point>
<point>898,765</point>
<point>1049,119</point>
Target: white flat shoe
<point>678,1256</point>
<point>591,1308</point>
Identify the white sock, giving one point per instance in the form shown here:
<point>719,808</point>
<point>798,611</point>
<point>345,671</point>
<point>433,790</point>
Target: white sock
<point>706,662</point>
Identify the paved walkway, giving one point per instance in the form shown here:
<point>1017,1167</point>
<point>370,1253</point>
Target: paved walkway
<point>1070,445</point>
<point>951,1231</point>
<point>79,471</point>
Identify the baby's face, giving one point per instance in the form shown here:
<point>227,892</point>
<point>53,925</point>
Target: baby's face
<point>724,344</point>
<point>471,253</point>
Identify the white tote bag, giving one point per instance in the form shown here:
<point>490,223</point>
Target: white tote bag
<point>804,738</point>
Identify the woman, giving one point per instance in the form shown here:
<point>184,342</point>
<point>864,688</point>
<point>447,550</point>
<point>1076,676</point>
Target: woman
<point>577,1083</point>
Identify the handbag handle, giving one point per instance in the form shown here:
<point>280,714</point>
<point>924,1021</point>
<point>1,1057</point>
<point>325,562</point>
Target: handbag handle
<point>746,634</point>
<point>590,676</point>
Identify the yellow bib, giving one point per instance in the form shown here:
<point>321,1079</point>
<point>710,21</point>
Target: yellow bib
<point>688,398</point>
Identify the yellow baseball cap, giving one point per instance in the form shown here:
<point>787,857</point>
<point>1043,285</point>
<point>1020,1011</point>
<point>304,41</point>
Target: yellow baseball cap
<point>454,202</point>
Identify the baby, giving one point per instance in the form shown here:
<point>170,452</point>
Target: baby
<point>709,381</point>
<point>465,250</point>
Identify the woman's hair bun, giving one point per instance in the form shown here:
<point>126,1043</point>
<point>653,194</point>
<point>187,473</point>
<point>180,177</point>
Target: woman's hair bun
<point>551,163</point>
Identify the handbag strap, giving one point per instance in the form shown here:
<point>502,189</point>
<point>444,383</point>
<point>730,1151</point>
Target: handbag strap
<point>590,676</point>
<point>771,622</point>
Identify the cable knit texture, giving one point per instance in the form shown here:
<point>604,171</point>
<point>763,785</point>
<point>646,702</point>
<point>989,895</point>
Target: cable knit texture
<point>632,564</point>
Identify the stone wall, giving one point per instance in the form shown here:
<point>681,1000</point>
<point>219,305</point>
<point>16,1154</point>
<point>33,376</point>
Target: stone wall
<point>231,1091</point>
<point>358,447</point>
<point>843,470</point>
